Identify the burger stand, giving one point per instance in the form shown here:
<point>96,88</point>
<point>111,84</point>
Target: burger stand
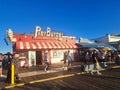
<point>32,47</point>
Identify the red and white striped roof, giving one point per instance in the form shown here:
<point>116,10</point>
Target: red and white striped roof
<point>45,45</point>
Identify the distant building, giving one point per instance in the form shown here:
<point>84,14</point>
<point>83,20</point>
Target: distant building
<point>84,40</point>
<point>32,47</point>
<point>113,40</point>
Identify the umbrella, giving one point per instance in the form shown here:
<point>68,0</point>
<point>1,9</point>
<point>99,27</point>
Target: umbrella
<point>92,49</point>
<point>106,49</point>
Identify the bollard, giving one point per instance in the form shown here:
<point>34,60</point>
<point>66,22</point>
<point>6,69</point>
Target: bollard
<point>12,74</point>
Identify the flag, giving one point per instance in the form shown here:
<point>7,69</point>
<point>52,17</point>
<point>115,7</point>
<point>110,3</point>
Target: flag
<point>6,41</point>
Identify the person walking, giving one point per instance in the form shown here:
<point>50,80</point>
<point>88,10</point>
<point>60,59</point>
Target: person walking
<point>69,61</point>
<point>87,61</point>
<point>96,63</point>
<point>1,58</point>
<point>46,61</point>
<point>9,60</point>
<point>65,61</point>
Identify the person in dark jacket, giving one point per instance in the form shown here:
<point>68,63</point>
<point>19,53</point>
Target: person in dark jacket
<point>1,59</point>
<point>12,59</point>
<point>15,62</point>
<point>117,60</point>
<point>9,57</point>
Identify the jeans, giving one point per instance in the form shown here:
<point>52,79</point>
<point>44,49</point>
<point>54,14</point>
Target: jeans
<point>46,66</point>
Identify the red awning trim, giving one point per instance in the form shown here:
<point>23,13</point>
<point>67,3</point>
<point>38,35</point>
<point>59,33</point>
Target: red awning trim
<point>39,45</point>
<point>53,44</point>
<point>34,45</point>
<point>61,45</point>
<point>49,45</point>
<point>45,45</point>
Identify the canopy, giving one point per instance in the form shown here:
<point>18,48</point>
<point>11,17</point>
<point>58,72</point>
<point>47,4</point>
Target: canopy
<point>91,45</point>
<point>45,45</point>
<point>95,45</point>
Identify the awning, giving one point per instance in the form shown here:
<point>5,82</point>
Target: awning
<point>91,45</point>
<point>95,45</point>
<point>45,45</point>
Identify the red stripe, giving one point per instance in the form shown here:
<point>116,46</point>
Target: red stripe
<point>31,47</point>
<point>68,45</point>
<point>43,45</point>
<point>49,45</point>
<point>73,45</point>
<point>18,45</point>
<point>61,45</point>
<point>39,45</point>
<point>56,45</point>
<point>24,44</point>
<point>64,43</point>
<point>53,45</point>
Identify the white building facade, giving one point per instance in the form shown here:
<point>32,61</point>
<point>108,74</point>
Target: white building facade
<point>113,40</point>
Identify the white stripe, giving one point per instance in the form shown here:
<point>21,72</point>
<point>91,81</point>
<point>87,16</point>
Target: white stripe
<point>73,45</point>
<point>49,44</point>
<point>27,45</point>
<point>21,45</point>
<point>33,45</point>
<point>65,45</point>
<point>39,46</point>
<point>57,44</point>
<point>70,45</point>
<point>53,45</point>
<point>43,43</point>
<point>61,45</point>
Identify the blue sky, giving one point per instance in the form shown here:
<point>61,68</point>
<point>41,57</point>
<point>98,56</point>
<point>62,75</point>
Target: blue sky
<point>80,18</point>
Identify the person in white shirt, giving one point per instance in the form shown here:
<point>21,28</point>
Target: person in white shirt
<point>69,61</point>
<point>46,61</point>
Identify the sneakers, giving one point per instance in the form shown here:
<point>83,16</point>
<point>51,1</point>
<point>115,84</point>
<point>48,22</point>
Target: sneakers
<point>99,74</point>
<point>1,75</point>
<point>47,71</point>
<point>105,65</point>
<point>19,79</point>
<point>91,73</point>
<point>87,71</point>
